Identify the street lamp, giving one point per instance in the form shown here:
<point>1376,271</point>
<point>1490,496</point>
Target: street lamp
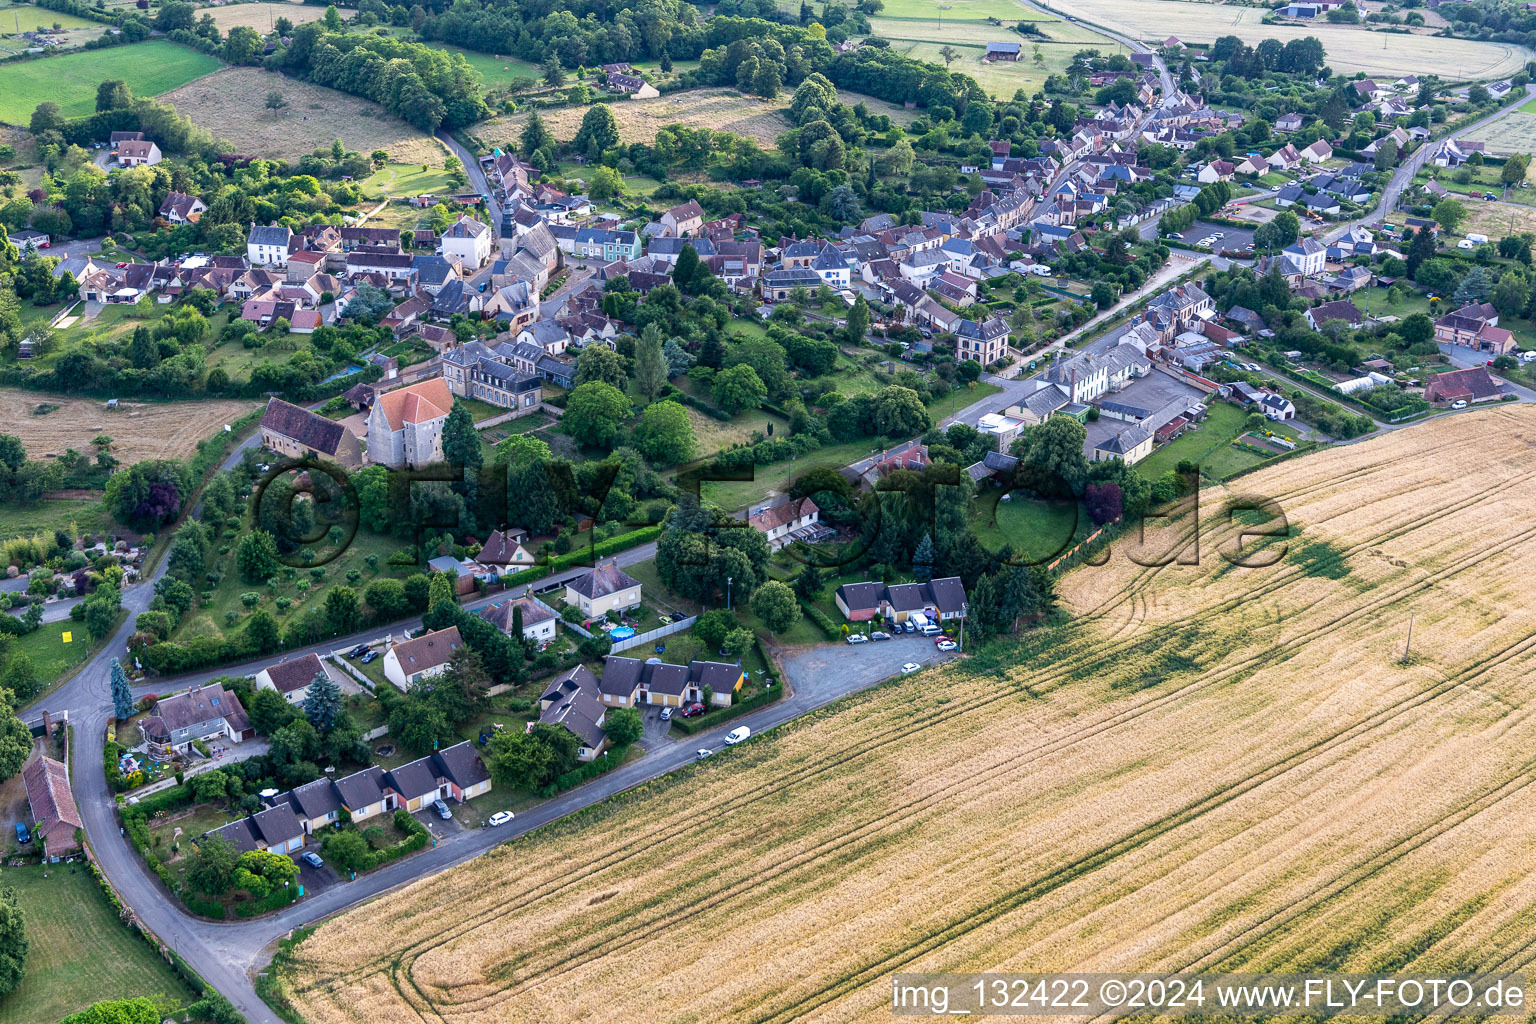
<point>728,593</point>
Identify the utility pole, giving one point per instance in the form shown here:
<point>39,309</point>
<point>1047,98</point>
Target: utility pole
<point>1409,645</point>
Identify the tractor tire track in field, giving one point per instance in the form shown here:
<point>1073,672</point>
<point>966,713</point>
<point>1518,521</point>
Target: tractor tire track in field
<point>1098,653</point>
<point>998,773</point>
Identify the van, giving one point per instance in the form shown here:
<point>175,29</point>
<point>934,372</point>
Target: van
<point>1477,239</point>
<point>930,630</point>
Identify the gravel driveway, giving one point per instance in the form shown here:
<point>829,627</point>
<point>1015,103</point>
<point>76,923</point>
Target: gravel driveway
<point>856,666</point>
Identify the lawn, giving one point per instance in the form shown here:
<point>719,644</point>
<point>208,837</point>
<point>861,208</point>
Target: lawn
<point>149,68</point>
<point>1210,447</point>
<point>770,480</point>
<point>87,515</point>
<point>51,655</point>
<point>494,71</point>
<point>80,952</point>
<point>408,180</point>
<point>1037,530</point>
<point>960,398</point>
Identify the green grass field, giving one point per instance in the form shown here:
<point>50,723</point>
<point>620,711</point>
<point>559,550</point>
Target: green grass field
<point>86,514</point>
<point>149,68</point>
<point>494,71</point>
<point>406,180</point>
<point>52,657</point>
<point>1210,447</point>
<point>80,952</point>
<point>1036,530</point>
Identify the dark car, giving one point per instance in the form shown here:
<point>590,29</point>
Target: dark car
<point>359,649</point>
<point>22,835</point>
<point>692,711</point>
<point>370,656</point>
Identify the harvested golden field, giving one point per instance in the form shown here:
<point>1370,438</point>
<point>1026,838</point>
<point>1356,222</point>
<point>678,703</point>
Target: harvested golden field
<point>1209,767</point>
<point>1349,49</point>
<point>142,430</point>
<point>263,16</point>
<point>232,104</point>
<point>724,110</point>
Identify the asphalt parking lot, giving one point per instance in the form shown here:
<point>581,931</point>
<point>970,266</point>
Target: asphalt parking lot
<point>860,664</point>
<point>1149,392</point>
<point>1232,238</point>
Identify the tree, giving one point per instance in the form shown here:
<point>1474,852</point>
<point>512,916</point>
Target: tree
<point>462,448</point>
<point>700,550</point>
<point>899,412</point>
<point>275,101</point>
<point>594,412</point>
<point>651,368</point>
<point>1510,294</point>
<point>857,330</point>
<point>1102,294</point>
<point>1473,288</point>
<point>922,558</point>
<point>737,642</point>
<point>242,45</point>
<point>1277,233</point>
<point>100,610</point>
<point>141,1010</point>
<point>14,944</point>
<point>122,695</point>
<point>738,389</point>
<point>519,449</point>
<point>15,737</point>
<point>712,626</point>
<point>1449,214</point>
<point>256,556</point>
<point>262,634</point>
<point>213,866</point>
<point>605,184</point>
<point>948,54</point>
<point>678,359</point>
<point>417,725</point>
<point>113,94</point>
<point>346,850</point>
<point>1052,460</point>
<point>665,434</point>
<point>322,705</point>
<point>387,598</point>
<point>601,363</point>
<point>532,502</point>
<point>1513,171</point>
<point>775,604</point>
<point>599,129</point>
<point>623,726</point>
<point>535,136</point>
<point>554,73</point>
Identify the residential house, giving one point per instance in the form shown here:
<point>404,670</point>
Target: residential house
<point>1455,152</point>
<point>685,220</point>
<point>291,677</point>
<point>268,246</point>
<point>276,829</point>
<point>572,702</point>
<point>505,551</point>
<point>1321,203</point>
<point>410,661</point>
<point>208,712</point>
<point>363,794</point>
<point>627,682</point>
<point>180,208</point>
<point>1130,445</point>
<point>1306,255</point>
<point>1216,170</point>
<point>985,341</point>
<point>138,153</point>
<point>51,807</point>
<point>315,804</point>
<point>1339,309</point>
<point>780,523</point>
<point>299,434</point>
<point>538,621</point>
<point>1475,325</point>
<point>1284,158</point>
<point>832,270</point>
<point>1289,122</point>
<point>939,600</point>
<point>1471,386</point>
<point>469,240</point>
<point>454,773</point>
<point>603,589</point>
<point>405,426</point>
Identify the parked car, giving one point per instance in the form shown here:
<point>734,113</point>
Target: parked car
<point>1274,188</point>
<point>1460,403</point>
<point>911,666</point>
<point>692,711</point>
<point>22,835</point>
<point>1175,234</point>
<point>312,858</point>
<point>737,735</point>
<point>857,638</point>
<point>359,649</point>
<point>500,818</point>
<point>703,752</point>
<point>441,809</point>
<point>370,656</point>
<point>666,714</point>
<point>948,645</point>
<point>943,638</point>
<point>879,635</point>
<point>121,266</point>
<point>908,627</point>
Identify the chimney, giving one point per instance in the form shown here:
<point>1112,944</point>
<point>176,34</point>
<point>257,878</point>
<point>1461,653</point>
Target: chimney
<point>47,725</point>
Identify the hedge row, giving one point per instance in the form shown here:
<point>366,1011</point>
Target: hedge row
<point>135,818</point>
<point>822,619</point>
<point>273,901</point>
<point>418,838</point>
<point>713,411</point>
<point>591,770</point>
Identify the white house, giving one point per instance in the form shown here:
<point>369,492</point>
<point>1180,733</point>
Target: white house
<point>1307,256</point>
<point>291,678</point>
<point>268,246</point>
<point>779,523</point>
<point>833,270</point>
<point>604,589</point>
<point>469,240</point>
<point>538,621</point>
<point>409,662</point>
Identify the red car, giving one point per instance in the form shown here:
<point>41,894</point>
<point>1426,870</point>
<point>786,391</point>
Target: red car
<point>693,711</point>
<point>942,637</point>
<point>120,266</point>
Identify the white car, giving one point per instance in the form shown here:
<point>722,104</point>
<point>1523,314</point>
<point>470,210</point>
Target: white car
<point>501,818</point>
<point>858,638</point>
<point>737,735</point>
<point>1460,403</point>
<point>911,666</point>
<point>947,645</point>
<point>703,752</point>
<point>1274,188</point>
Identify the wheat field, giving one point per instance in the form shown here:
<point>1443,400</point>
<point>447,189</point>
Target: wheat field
<point>1348,49</point>
<point>1209,767</point>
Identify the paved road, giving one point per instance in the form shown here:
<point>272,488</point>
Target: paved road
<point>1403,176</point>
<point>476,178</point>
